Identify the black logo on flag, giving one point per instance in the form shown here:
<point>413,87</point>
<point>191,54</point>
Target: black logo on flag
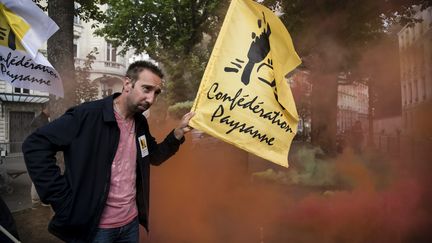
<point>10,35</point>
<point>259,49</point>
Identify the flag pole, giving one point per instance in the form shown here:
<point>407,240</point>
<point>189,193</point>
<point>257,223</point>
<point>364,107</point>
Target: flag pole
<point>9,235</point>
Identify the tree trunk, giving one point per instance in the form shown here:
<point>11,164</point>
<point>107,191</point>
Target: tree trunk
<point>60,53</point>
<point>324,110</point>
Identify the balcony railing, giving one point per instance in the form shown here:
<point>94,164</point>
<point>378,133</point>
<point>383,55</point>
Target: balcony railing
<point>104,66</point>
<point>113,64</point>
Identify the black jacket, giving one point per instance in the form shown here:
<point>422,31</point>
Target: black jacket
<point>88,135</point>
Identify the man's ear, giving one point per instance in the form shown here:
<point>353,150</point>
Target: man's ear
<point>127,84</point>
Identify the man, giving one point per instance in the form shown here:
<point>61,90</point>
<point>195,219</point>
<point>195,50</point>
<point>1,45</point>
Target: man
<point>108,150</point>
<point>41,120</point>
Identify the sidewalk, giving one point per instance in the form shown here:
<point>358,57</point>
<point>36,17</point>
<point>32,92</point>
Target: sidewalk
<point>19,199</point>
<point>32,225</point>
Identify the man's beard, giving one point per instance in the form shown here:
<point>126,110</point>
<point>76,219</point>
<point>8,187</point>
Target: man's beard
<point>137,107</point>
<point>142,107</point>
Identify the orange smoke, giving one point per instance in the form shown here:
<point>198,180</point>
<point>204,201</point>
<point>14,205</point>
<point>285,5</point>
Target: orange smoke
<point>205,194</point>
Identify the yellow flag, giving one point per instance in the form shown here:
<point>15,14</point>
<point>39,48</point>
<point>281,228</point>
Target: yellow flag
<point>244,98</point>
<point>7,35</point>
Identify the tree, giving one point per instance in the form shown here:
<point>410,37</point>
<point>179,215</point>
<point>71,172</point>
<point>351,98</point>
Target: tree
<point>171,32</point>
<point>86,90</point>
<point>331,36</point>
<point>60,52</point>
<point>300,88</point>
<point>60,45</point>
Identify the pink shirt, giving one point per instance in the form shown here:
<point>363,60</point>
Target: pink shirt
<point>120,208</point>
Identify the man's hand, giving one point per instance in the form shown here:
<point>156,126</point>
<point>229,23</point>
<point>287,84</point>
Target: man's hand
<point>184,127</point>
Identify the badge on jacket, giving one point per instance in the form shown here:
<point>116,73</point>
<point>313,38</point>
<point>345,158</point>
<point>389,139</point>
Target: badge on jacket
<point>143,146</point>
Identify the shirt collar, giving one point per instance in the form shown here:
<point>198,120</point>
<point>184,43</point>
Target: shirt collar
<point>108,110</point>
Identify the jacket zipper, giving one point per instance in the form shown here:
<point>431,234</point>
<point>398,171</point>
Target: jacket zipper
<point>105,194</point>
<point>139,167</point>
<point>142,188</point>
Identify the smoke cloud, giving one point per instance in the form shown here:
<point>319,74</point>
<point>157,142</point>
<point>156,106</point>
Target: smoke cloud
<point>205,194</point>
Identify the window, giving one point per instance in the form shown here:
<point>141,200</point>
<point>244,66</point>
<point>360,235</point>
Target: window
<point>423,81</point>
<point>408,37</point>
<point>421,60</point>
<point>411,120</point>
<point>402,62</point>
<point>412,34</point>
<point>76,19</point>
<point>111,53</point>
<point>75,47</point>
<point>106,89</point>
<point>410,93</point>
<point>21,91</point>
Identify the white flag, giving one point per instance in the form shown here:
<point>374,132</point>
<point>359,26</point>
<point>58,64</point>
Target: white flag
<point>29,23</point>
<point>24,28</point>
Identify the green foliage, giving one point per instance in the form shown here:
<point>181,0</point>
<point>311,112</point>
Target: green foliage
<point>90,10</point>
<point>87,10</point>
<point>312,172</point>
<point>160,28</point>
<point>38,3</point>
<point>178,34</point>
<point>185,76</point>
<point>86,90</point>
<point>347,171</point>
<point>331,36</point>
<point>177,110</point>
<point>335,32</point>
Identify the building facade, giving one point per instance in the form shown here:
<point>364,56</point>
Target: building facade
<point>415,48</point>
<point>109,68</point>
<point>18,107</point>
<point>353,104</point>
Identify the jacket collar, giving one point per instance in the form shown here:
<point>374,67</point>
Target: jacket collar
<point>108,109</point>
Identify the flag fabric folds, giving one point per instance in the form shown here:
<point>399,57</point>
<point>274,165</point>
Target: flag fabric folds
<point>244,98</point>
<point>24,28</point>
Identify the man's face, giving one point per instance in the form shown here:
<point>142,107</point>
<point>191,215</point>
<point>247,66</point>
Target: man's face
<point>143,94</point>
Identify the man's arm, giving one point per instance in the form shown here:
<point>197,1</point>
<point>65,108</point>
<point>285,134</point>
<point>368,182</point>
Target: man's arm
<point>161,152</point>
<point>39,151</point>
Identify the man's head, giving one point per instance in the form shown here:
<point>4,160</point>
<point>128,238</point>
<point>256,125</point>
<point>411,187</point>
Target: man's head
<point>142,85</point>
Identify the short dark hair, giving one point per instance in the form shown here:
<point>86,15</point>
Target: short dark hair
<point>135,68</point>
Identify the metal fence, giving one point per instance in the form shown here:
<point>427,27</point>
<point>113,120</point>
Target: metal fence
<point>403,145</point>
<point>10,148</point>
<point>387,143</point>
